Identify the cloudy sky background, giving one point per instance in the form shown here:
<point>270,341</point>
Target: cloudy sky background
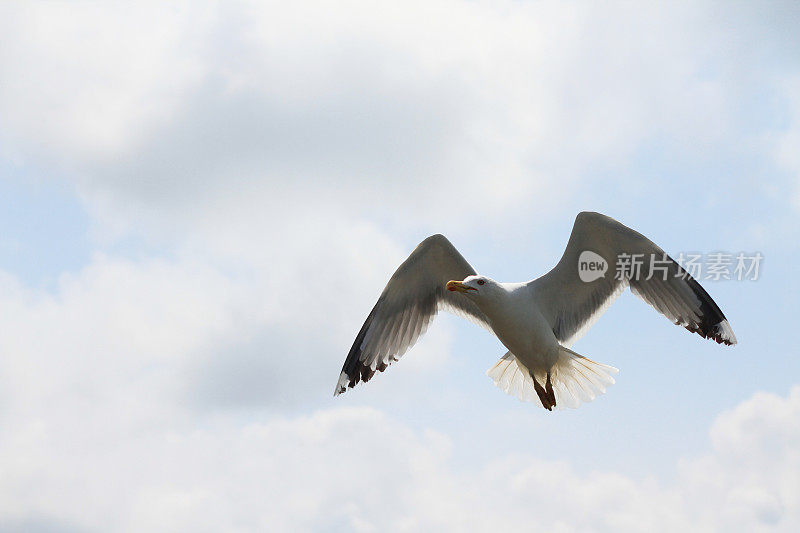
<point>199,204</point>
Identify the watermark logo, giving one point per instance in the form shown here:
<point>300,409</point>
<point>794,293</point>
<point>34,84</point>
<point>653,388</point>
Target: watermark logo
<point>714,266</point>
<point>591,266</point>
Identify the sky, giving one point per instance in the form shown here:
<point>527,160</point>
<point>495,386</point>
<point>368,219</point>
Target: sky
<point>200,203</point>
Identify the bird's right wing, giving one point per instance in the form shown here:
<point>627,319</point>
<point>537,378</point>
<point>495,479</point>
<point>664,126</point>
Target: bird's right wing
<point>571,304</point>
<point>408,303</point>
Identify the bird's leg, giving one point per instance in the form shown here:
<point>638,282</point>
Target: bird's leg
<point>543,395</point>
<point>549,388</point>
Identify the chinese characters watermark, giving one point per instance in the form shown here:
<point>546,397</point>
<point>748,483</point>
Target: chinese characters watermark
<point>714,266</point>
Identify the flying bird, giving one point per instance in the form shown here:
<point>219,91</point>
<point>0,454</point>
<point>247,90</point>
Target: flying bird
<point>536,320</point>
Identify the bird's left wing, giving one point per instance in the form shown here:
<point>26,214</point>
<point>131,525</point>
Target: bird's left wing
<point>572,303</point>
<point>408,303</point>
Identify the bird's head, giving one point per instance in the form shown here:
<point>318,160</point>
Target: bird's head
<point>473,286</point>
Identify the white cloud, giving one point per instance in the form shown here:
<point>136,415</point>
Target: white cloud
<point>83,79</point>
<point>357,469</point>
<point>785,142</point>
<point>271,150</point>
<point>752,476</point>
<point>171,118</point>
<point>101,432</point>
<point>271,332</point>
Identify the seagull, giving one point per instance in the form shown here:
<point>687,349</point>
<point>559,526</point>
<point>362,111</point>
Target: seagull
<point>538,320</point>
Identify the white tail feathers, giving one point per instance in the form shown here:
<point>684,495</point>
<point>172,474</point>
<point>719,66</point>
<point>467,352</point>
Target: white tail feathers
<point>575,378</point>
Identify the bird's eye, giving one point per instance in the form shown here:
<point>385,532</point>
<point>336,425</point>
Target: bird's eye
<point>481,282</point>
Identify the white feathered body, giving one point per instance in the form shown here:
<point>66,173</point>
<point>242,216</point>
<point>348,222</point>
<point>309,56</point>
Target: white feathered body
<point>518,323</point>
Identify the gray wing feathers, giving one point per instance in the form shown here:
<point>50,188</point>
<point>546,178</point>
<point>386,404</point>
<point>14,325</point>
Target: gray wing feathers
<point>572,305</point>
<point>406,307</point>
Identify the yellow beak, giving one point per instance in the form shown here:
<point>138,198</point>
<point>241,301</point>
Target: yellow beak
<point>454,285</point>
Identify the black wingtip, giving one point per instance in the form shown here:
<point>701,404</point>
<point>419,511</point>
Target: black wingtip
<point>357,372</point>
<point>713,324</point>
<point>720,332</point>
